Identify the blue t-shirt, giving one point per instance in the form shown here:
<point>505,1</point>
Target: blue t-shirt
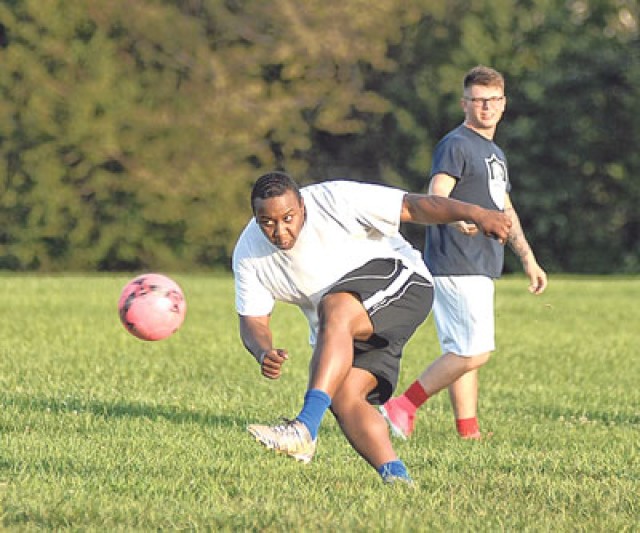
<point>482,178</point>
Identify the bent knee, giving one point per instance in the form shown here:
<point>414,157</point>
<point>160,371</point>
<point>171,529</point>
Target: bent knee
<point>476,361</point>
<point>342,405</point>
<point>353,392</point>
<point>481,360</point>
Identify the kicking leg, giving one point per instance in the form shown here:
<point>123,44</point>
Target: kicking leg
<point>342,319</point>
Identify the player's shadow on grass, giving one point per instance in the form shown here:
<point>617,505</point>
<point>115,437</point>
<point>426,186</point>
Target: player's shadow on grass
<point>121,409</point>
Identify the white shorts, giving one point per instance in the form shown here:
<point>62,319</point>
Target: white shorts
<point>463,312</point>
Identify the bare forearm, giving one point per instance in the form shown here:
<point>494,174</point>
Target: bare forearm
<point>257,339</point>
<point>432,209</point>
<point>256,336</point>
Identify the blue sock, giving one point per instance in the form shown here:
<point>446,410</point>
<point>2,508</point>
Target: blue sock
<point>394,469</point>
<point>316,402</point>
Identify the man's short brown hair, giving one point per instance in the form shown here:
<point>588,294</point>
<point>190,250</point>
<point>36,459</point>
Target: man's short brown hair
<point>481,75</point>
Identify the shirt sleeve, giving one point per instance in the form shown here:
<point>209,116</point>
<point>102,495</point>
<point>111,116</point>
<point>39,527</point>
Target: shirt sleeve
<point>449,158</point>
<point>374,207</point>
<point>252,297</point>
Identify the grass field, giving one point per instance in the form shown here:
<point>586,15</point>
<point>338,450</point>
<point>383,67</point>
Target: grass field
<point>101,431</point>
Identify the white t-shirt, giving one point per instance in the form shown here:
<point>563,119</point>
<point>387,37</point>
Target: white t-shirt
<point>347,224</point>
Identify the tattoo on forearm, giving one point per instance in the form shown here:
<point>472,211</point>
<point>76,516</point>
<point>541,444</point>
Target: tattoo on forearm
<point>517,241</point>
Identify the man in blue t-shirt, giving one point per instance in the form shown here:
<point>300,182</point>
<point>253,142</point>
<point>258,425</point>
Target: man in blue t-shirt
<point>468,166</point>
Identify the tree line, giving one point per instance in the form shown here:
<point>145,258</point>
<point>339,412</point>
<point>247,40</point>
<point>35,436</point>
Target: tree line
<point>131,132</point>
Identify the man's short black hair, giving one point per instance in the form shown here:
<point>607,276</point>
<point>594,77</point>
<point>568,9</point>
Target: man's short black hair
<point>273,184</point>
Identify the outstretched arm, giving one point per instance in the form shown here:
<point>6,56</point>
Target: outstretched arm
<point>518,243</point>
<point>429,209</point>
<point>258,340</point>
<point>442,184</point>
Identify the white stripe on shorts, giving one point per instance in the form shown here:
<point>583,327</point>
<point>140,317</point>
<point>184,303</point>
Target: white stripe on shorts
<point>391,290</point>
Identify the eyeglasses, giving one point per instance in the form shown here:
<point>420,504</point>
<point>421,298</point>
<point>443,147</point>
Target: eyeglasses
<point>494,101</point>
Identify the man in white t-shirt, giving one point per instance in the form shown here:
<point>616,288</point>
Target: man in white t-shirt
<point>334,250</point>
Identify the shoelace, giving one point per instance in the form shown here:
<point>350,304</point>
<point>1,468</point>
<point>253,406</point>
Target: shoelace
<point>286,426</point>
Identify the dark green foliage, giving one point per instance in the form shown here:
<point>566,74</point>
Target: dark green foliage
<point>132,131</point>
<point>574,139</point>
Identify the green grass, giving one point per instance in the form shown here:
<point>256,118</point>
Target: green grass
<point>102,431</point>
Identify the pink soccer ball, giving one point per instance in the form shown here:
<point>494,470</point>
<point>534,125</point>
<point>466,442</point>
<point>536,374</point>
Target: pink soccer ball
<point>152,307</point>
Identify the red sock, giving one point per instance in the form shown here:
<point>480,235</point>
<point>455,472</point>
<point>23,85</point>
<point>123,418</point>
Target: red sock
<point>467,426</point>
<point>413,397</point>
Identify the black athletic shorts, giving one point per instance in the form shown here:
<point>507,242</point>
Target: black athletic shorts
<point>397,300</point>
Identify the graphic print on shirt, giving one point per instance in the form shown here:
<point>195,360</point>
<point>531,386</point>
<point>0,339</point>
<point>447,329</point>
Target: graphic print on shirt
<point>497,172</point>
